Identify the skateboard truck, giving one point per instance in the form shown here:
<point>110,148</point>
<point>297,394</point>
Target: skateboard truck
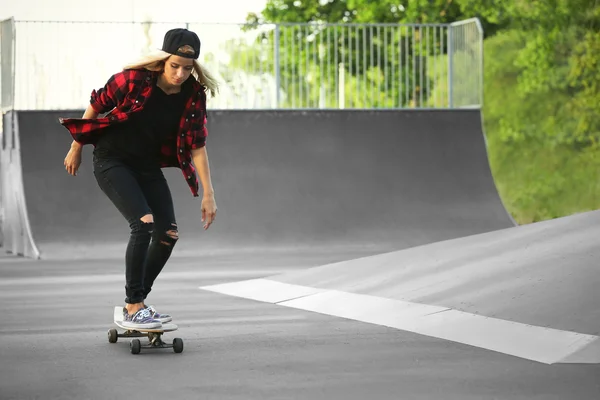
<point>154,340</point>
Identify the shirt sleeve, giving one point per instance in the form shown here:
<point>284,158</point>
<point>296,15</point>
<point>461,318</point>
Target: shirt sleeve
<point>199,138</point>
<point>109,96</point>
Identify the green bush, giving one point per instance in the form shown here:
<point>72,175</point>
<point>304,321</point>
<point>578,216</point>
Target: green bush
<point>539,174</point>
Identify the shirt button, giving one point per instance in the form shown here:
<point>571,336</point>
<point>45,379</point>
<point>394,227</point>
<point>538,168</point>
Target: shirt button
<point>193,115</point>
<point>186,120</point>
<point>193,103</point>
<point>181,151</point>
<point>137,101</point>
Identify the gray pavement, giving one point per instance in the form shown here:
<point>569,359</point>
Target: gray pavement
<point>54,345</point>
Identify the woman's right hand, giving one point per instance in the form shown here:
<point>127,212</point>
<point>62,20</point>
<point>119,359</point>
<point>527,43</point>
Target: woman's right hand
<point>73,159</point>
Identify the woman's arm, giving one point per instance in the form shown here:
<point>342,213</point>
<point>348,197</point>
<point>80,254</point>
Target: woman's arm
<point>89,113</point>
<point>209,206</point>
<point>200,159</point>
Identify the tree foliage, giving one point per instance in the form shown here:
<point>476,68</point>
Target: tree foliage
<point>558,59</point>
<point>552,71</point>
<point>383,66</point>
<point>358,11</point>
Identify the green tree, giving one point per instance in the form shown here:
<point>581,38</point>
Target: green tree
<point>383,66</point>
<point>558,60</point>
<point>359,11</point>
<point>538,175</point>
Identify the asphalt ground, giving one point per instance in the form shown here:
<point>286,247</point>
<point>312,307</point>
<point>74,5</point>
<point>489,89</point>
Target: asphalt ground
<point>54,345</point>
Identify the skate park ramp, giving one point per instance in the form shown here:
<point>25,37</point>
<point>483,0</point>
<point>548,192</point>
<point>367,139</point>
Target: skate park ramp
<point>15,238</point>
<point>381,180</point>
<point>529,291</point>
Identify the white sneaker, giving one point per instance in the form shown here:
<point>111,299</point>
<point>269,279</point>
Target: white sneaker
<point>160,317</point>
<point>141,319</point>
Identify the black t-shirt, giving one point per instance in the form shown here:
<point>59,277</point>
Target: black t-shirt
<point>138,140</point>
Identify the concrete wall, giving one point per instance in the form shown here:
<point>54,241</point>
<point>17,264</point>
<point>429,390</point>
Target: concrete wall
<point>388,179</point>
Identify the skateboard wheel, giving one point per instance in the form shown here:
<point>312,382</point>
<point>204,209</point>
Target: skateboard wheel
<point>177,345</point>
<point>135,346</point>
<point>112,336</point>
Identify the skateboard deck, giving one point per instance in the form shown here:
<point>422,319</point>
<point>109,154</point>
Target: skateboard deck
<point>154,335</point>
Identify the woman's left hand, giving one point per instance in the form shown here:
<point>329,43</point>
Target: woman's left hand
<point>209,210</point>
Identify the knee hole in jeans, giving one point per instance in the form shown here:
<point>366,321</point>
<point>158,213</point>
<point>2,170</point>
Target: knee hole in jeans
<point>171,236</point>
<point>148,219</point>
<point>143,226</point>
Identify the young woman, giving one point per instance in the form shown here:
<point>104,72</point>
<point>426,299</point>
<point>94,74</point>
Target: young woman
<point>156,118</point>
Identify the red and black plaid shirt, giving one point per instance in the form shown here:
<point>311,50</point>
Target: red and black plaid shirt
<point>125,93</point>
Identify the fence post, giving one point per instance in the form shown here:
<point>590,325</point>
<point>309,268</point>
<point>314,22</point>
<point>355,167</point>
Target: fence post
<point>342,86</point>
<point>7,64</point>
<point>481,62</point>
<point>7,103</point>
<point>277,67</point>
<point>450,47</point>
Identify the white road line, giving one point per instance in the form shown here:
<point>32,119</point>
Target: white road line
<point>264,290</point>
<point>544,345</point>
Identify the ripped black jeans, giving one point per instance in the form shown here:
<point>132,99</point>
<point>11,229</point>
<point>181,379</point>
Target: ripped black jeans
<point>136,193</point>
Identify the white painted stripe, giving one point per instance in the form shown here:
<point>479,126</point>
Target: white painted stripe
<point>521,340</point>
<point>262,290</point>
<point>375,310</point>
<point>544,345</point>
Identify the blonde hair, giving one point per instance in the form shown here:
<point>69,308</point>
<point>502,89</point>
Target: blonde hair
<point>155,61</point>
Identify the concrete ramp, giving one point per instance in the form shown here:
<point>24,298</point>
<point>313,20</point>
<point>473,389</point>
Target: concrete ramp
<point>382,180</point>
<point>16,236</point>
<point>529,291</point>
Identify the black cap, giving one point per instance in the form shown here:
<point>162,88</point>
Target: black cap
<point>175,38</point>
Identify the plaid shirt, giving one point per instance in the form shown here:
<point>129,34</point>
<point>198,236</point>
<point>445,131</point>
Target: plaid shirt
<point>125,93</point>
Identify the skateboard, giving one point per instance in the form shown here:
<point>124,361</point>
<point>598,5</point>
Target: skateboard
<point>154,335</point>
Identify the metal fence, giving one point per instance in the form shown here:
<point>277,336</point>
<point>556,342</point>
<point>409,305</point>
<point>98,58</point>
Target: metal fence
<point>7,75</point>
<point>267,66</point>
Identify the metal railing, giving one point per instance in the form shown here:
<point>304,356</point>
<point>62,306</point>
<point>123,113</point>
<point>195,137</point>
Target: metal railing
<point>7,60</point>
<point>266,66</point>
<point>465,71</point>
